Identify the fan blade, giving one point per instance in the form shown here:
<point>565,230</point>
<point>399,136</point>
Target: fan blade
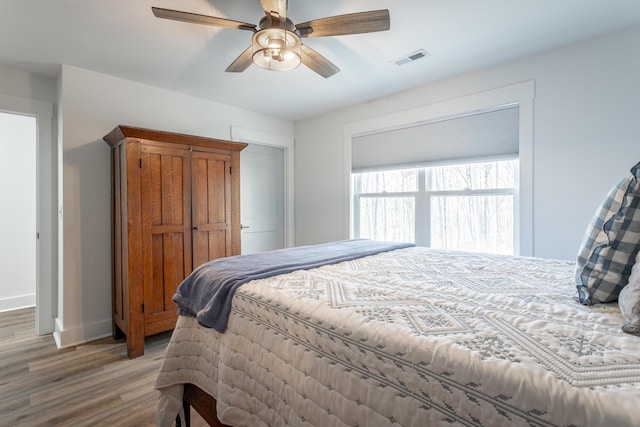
<point>242,62</point>
<point>317,62</point>
<point>352,23</point>
<point>278,6</point>
<point>194,18</point>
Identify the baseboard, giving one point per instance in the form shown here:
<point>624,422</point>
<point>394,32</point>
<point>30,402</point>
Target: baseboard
<point>81,334</point>
<point>15,303</point>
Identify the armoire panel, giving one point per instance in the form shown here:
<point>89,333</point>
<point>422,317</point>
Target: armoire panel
<point>155,294</point>
<point>216,177</point>
<point>173,189</point>
<point>218,244</point>
<point>208,245</point>
<point>169,268</point>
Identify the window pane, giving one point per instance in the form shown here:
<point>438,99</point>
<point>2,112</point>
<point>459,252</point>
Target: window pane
<point>473,223</point>
<point>392,181</point>
<point>390,219</point>
<point>474,176</point>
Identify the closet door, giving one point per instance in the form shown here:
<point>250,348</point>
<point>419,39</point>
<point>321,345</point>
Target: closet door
<point>211,204</point>
<point>166,231</point>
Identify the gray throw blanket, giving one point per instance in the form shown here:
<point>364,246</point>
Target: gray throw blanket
<point>207,292</point>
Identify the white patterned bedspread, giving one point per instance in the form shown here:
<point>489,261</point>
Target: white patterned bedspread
<point>413,337</point>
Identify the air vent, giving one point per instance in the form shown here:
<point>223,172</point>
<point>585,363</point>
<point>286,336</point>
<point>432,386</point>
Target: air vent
<point>413,56</point>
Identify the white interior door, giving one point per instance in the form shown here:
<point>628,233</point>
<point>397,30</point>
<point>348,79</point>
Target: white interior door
<point>262,198</point>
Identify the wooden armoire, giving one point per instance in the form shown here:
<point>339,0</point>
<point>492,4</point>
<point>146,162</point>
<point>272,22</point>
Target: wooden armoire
<point>175,205</point>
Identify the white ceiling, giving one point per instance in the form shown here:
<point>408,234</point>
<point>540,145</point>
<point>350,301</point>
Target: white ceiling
<point>122,38</point>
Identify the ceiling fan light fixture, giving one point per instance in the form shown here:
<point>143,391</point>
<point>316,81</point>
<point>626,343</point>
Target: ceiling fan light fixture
<point>276,41</point>
<point>276,49</point>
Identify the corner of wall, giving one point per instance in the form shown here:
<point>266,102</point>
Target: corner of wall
<point>82,334</point>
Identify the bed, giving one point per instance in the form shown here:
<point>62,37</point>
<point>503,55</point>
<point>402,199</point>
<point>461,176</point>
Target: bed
<point>411,336</point>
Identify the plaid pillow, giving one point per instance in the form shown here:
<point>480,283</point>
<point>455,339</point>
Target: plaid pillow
<point>609,248</point>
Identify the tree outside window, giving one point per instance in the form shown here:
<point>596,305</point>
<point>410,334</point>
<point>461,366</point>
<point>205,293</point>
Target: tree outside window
<point>469,207</point>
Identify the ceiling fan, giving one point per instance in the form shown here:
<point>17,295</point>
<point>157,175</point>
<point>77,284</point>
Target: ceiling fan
<point>276,43</point>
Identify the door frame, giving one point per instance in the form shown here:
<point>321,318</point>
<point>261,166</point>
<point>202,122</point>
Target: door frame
<point>45,205</point>
<point>240,134</point>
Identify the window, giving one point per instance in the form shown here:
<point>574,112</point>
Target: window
<point>468,206</point>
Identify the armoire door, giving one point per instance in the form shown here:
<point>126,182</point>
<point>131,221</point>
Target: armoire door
<point>211,206</point>
<point>166,231</point>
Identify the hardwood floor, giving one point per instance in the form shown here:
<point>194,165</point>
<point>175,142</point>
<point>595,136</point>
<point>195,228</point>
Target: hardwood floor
<point>93,384</point>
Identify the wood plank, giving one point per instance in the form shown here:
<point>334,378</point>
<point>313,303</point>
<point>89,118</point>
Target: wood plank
<point>120,132</point>
<point>166,220</point>
<point>201,400</point>
<point>234,191</point>
<point>117,180</point>
<point>134,295</point>
<point>93,384</point>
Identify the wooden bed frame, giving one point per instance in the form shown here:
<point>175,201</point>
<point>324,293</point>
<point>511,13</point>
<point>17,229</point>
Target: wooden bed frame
<point>204,404</point>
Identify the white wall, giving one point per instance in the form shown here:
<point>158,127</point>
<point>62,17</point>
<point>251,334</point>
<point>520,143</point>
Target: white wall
<point>27,85</point>
<point>586,136</point>
<point>92,104</point>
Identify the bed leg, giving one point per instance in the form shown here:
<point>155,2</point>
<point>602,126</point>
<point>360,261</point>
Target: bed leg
<point>187,415</point>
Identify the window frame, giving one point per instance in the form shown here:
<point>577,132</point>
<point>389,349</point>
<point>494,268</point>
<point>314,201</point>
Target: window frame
<point>522,93</point>
<point>423,197</point>
<point>357,195</point>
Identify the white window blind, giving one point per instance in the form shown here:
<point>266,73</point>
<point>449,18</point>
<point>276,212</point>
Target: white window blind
<point>484,134</point>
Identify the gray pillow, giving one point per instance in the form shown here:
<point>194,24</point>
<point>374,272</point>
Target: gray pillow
<point>629,301</point>
<point>611,243</point>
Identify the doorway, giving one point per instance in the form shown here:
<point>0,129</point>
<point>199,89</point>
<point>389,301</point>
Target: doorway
<point>18,254</point>
<point>38,209</point>
<point>278,152</point>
